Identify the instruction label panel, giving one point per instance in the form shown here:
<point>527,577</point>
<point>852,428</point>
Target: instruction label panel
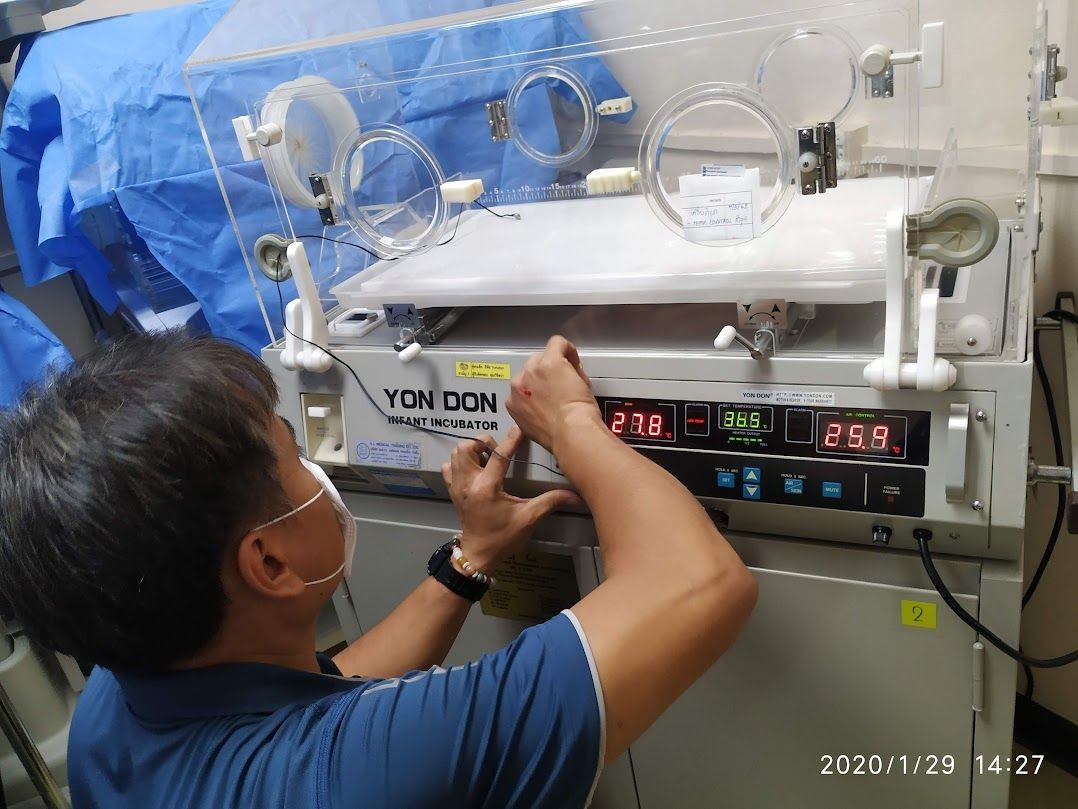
<point>484,370</point>
<point>532,586</point>
<point>388,453</point>
<point>790,397</point>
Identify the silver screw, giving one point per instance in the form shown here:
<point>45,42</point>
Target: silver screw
<point>980,415</point>
<point>971,341</point>
<point>978,505</point>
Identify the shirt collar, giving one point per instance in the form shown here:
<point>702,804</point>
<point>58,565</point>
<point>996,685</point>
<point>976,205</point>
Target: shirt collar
<point>229,689</point>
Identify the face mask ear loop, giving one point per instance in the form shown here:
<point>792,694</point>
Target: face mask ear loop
<point>327,578</point>
<point>296,510</point>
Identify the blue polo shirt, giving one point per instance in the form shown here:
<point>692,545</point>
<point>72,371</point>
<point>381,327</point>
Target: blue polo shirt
<point>523,727</point>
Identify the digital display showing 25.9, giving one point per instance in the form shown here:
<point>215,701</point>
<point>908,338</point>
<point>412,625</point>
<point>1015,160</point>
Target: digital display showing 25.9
<point>870,434</point>
<point>644,420</point>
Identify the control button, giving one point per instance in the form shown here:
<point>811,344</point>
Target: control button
<point>832,489</point>
<point>751,474</point>
<point>725,480</point>
<point>793,486</point>
<point>750,491</point>
<point>881,534</point>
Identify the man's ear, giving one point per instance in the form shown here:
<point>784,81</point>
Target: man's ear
<point>263,566</point>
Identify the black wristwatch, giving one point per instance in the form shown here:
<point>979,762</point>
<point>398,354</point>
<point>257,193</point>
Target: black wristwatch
<point>441,568</point>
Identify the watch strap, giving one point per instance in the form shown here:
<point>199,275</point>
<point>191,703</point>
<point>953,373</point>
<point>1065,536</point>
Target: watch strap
<point>442,570</point>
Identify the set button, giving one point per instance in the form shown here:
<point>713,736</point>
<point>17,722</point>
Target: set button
<point>725,480</point>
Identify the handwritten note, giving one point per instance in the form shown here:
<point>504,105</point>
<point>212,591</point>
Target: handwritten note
<point>715,209</point>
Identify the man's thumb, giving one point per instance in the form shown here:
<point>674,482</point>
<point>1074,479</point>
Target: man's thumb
<point>552,501</point>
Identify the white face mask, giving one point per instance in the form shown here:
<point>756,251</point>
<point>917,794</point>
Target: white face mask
<point>344,517</point>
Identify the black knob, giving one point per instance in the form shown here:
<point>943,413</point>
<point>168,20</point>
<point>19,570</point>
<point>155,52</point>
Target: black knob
<point>881,534</point>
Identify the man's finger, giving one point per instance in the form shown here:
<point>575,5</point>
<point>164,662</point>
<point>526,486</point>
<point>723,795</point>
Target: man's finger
<point>499,461</point>
<point>447,473</point>
<point>562,347</point>
<point>480,448</point>
<point>559,345</point>
<point>466,461</point>
<point>539,507</point>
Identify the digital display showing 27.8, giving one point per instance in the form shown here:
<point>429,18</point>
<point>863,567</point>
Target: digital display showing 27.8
<point>641,421</point>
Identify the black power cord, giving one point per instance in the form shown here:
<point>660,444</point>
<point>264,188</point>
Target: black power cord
<point>1057,443</point>
<point>1061,497</point>
<point>923,536</point>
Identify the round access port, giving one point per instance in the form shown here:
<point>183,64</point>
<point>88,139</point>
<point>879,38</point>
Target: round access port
<point>556,128</point>
<point>810,75</point>
<point>395,205</point>
<point>314,117</point>
<point>718,129</point>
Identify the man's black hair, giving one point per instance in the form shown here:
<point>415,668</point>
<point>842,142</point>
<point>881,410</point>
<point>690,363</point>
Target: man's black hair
<point>123,480</point>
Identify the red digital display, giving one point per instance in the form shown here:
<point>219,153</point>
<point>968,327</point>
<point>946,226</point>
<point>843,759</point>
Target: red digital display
<point>845,435</point>
<point>647,421</point>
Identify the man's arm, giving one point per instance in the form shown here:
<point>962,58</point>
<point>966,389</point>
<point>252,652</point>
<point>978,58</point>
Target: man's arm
<point>675,594</point>
<point>420,631</point>
<point>416,635</point>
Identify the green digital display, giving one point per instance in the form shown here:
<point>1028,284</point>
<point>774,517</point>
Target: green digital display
<point>745,417</point>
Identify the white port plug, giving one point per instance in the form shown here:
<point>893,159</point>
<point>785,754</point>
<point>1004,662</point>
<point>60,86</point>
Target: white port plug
<point>615,106</point>
<point>612,180</point>
<point>464,191</point>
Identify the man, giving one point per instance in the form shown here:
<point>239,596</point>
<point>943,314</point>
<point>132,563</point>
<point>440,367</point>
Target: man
<point>158,520</point>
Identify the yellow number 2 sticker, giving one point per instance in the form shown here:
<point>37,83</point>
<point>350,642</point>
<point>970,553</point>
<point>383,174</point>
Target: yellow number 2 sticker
<point>919,613</point>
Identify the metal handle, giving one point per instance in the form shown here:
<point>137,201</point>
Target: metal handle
<point>957,434</point>
<point>729,335</point>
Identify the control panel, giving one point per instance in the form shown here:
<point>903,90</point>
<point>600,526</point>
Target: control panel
<point>845,458</point>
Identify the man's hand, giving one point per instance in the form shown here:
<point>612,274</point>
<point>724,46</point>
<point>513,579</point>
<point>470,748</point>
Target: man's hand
<point>494,524</point>
<point>550,392</point>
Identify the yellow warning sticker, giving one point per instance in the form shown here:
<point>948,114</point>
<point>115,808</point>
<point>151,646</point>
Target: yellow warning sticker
<point>484,370</point>
<point>532,586</point>
<point>919,613</point>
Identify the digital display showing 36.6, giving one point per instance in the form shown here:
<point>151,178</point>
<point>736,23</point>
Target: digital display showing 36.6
<point>745,417</point>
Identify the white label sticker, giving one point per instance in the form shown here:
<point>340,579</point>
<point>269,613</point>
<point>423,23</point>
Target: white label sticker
<point>719,170</point>
<point>715,209</point>
<point>790,397</point>
<point>388,453</point>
